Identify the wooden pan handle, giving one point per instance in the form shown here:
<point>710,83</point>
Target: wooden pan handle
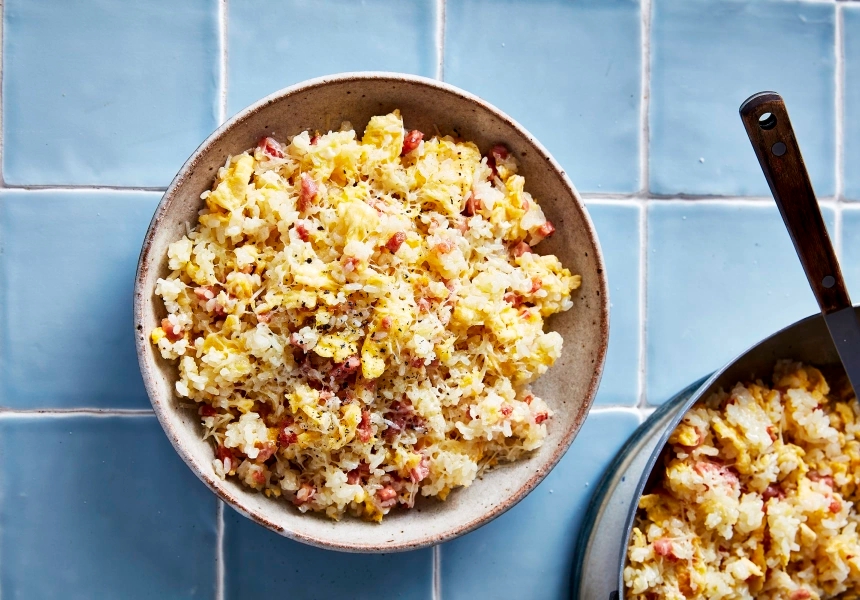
<point>769,129</point>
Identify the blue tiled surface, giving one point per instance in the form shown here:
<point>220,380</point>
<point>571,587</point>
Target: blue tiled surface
<point>568,71</point>
<point>708,56</point>
<point>276,44</point>
<point>104,91</point>
<point>720,278</point>
<point>851,36</point>
<point>263,564</point>
<point>529,550</point>
<point>618,229</point>
<point>101,508</point>
<point>67,261</point>
<point>117,94</point>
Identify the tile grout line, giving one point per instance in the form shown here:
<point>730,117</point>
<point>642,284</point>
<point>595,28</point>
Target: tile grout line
<point>642,399</point>
<point>219,550</point>
<point>440,39</point>
<point>645,97</point>
<point>839,93</point>
<point>222,63</point>
<point>437,572</point>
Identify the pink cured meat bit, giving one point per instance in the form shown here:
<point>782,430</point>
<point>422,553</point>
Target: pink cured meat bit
<point>473,205</point>
<point>816,476</point>
<point>545,230</point>
<point>305,494</point>
<point>387,496</point>
<point>663,547</point>
<point>207,411</point>
<point>520,249</point>
<point>346,368</point>
<point>364,430</point>
<point>302,232</point>
<point>205,293</point>
<point>270,147</point>
<point>507,409</point>
<point>420,472</point>
<point>411,141</point>
<point>800,594</point>
<point>266,451</point>
<point>541,417</point>
<point>772,491</point>
<point>424,305</point>
<point>173,332</point>
<point>395,241</point>
<point>308,193</point>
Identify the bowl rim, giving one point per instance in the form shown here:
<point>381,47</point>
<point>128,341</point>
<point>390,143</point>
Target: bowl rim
<point>150,374</point>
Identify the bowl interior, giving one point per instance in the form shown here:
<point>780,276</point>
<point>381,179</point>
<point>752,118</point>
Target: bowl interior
<point>568,387</point>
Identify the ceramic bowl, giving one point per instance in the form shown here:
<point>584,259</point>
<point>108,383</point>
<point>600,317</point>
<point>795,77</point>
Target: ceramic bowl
<point>430,106</point>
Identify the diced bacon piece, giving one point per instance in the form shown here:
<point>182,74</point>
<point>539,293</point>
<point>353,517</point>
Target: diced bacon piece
<point>421,471</point>
<point>218,311</point>
<point>416,362</point>
<point>387,496</point>
<point>444,247</point>
<point>207,411</point>
<point>520,249</point>
<point>325,396</point>
<point>400,417</point>
<point>308,193</point>
<point>507,409</point>
<point>270,147</point>
<point>264,317</point>
<point>800,594</point>
<point>663,547</point>
<point>423,305</point>
<point>835,505</point>
<point>385,323</point>
<point>266,451</point>
<point>350,263</point>
<point>772,491</point>
<point>302,232</point>
<point>513,299</point>
<point>357,474</point>
<point>205,293</point>
<point>536,285</point>
<point>286,436</point>
<point>346,368</point>
<point>772,432</point>
<point>364,429</point>
<point>305,494</point>
<point>395,241</point>
<point>225,455</point>
<point>528,399</point>
<point>704,468</point>
<point>258,476</point>
<point>526,205</point>
<point>541,417</point>
<point>473,205</point>
<point>816,476</point>
<point>411,141</point>
<point>173,332</point>
<point>315,139</point>
<point>544,231</point>
<point>499,152</point>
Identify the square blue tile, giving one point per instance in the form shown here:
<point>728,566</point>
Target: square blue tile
<point>850,255</point>
<point>568,71</point>
<point>263,564</point>
<point>276,44</point>
<point>707,57</point>
<point>528,551</point>
<point>67,266</point>
<point>101,507</point>
<point>106,92</point>
<point>851,37</point>
<point>618,228</point>
<point>721,277</point>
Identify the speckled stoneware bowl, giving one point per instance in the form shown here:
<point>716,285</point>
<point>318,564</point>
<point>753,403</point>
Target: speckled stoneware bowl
<point>569,387</point>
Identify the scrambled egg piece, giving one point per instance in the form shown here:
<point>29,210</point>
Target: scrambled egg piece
<point>358,320</point>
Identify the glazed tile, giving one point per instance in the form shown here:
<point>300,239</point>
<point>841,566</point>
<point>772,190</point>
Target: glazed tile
<point>264,564</point>
<point>568,71</point>
<point>106,92</point>
<point>67,266</point>
<point>851,37</point>
<point>618,229</point>
<point>275,44</point>
<point>101,508</point>
<point>850,256</point>
<point>720,278</point>
<point>528,551</point>
<point>707,57</point>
